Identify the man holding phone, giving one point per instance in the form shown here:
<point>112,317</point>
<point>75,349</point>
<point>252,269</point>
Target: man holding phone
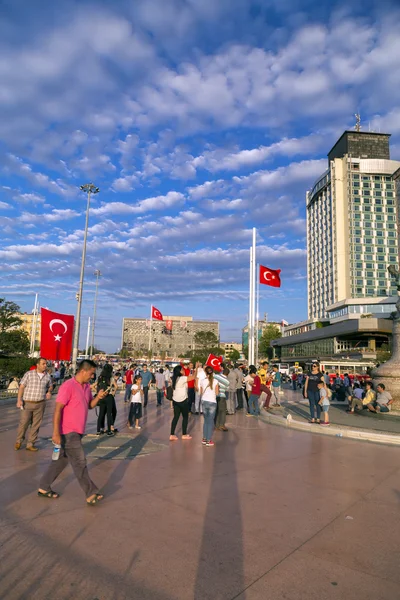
<point>70,415</point>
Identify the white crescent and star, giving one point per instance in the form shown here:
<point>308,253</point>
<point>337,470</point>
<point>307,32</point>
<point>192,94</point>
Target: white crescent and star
<point>214,362</point>
<point>157,313</point>
<point>53,322</point>
<point>268,276</point>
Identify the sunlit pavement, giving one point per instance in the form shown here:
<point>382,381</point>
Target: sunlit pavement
<point>266,514</point>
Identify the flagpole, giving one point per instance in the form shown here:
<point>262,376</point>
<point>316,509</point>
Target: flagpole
<point>257,310</point>
<point>249,327</point>
<point>151,322</point>
<point>253,294</point>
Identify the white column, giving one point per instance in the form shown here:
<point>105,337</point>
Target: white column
<point>253,298</point>
<point>250,323</point>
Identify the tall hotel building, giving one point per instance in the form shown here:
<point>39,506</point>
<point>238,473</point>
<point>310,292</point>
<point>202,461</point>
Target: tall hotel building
<point>352,227</point>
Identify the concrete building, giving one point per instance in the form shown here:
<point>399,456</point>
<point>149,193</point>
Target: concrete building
<point>170,338</point>
<point>261,326</point>
<point>27,325</point>
<point>229,346</point>
<point>352,224</point>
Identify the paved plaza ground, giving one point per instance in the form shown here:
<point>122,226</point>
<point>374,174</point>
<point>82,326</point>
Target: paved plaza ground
<point>267,514</point>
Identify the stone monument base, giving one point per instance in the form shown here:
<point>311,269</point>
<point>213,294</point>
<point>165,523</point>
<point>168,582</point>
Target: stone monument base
<point>389,372</point>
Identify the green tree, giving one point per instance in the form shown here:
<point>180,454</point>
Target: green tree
<point>13,340</point>
<point>383,353</point>
<point>206,342</point>
<point>270,332</point>
<point>124,353</point>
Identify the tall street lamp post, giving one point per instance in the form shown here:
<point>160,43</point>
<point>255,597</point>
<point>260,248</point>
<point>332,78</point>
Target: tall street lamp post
<point>98,274</point>
<point>89,189</point>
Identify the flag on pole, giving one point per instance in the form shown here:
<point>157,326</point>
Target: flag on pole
<point>214,362</point>
<point>270,276</point>
<point>155,314</point>
<point>56,335</point>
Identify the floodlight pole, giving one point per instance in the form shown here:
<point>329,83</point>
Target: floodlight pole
<point>89,189</point>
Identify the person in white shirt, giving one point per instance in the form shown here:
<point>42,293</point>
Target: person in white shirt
<point>160,386</point>
<point>135,409</point>
<point>199,378</point>
<point>180,402</point>
<point>209,389</point>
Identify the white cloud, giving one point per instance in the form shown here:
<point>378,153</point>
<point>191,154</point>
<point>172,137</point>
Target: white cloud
<point>57,214</point>
<point>156,203</point>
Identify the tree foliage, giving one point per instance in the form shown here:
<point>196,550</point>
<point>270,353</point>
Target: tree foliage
<point>270,332</point>
<point>206,342</point>
<point>13,340</point>
<point>383,353</point>
<point>16,366</point>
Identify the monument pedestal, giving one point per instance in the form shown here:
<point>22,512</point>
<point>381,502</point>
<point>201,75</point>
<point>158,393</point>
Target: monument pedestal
<point>389,372</point>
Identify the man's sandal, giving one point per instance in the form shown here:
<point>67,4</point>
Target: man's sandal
<point>95,500</point>
<point>52,495</point>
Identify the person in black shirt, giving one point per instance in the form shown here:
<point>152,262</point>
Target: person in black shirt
<point>311,391</point>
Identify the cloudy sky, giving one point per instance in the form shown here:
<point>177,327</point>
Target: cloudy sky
<point>198,120</point>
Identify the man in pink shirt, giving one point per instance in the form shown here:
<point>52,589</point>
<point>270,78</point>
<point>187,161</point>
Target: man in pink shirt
<point>70,415</point>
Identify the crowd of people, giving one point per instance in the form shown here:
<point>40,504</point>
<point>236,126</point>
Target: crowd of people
<point>189,390</point>
<point>320,389</point>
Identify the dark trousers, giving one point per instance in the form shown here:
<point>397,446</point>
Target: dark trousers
<point>71,451</point>
<point>220,417</point>
<point>146,395</point>
<point>160,396</point>
<point>246,397</point>
<point>191,397</point>
<point>135,412</point>
<point>314,398</point>
<point>180,408</point>
<point>128,390</point>
<point>106,407</point>
<point>239,395</point>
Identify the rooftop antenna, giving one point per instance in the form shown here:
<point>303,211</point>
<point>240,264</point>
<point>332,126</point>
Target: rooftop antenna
<point>358,122</point>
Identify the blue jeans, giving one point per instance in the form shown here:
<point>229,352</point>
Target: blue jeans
<point>128,390</point>
<point>160,394</point>
<point>254,408</point>
<point>209,410</point>
<point>314,398</point>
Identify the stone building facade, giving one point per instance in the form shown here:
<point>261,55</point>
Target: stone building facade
<point>170,338</point>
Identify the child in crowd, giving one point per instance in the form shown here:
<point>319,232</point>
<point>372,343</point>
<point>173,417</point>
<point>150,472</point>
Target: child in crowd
<point>324,394</point>
<point>135,410</point>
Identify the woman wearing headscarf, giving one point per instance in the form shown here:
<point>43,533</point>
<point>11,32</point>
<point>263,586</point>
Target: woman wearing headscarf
<point>106,405</point>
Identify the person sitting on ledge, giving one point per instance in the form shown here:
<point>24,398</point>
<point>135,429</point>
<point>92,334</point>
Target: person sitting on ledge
<point>383,400</point>
<point>358,401</point>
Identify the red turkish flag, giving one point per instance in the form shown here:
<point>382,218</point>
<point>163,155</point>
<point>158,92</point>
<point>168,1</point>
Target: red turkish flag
<point>168,325</point>
<point>155,314</point>
<point>270,277</point>
<point>56,335</point>
<point>214,362</point>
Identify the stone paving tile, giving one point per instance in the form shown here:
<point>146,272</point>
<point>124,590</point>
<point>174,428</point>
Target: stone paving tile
<point>261,515</point>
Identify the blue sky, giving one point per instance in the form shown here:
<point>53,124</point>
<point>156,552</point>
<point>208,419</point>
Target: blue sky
<point>198,119</point>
